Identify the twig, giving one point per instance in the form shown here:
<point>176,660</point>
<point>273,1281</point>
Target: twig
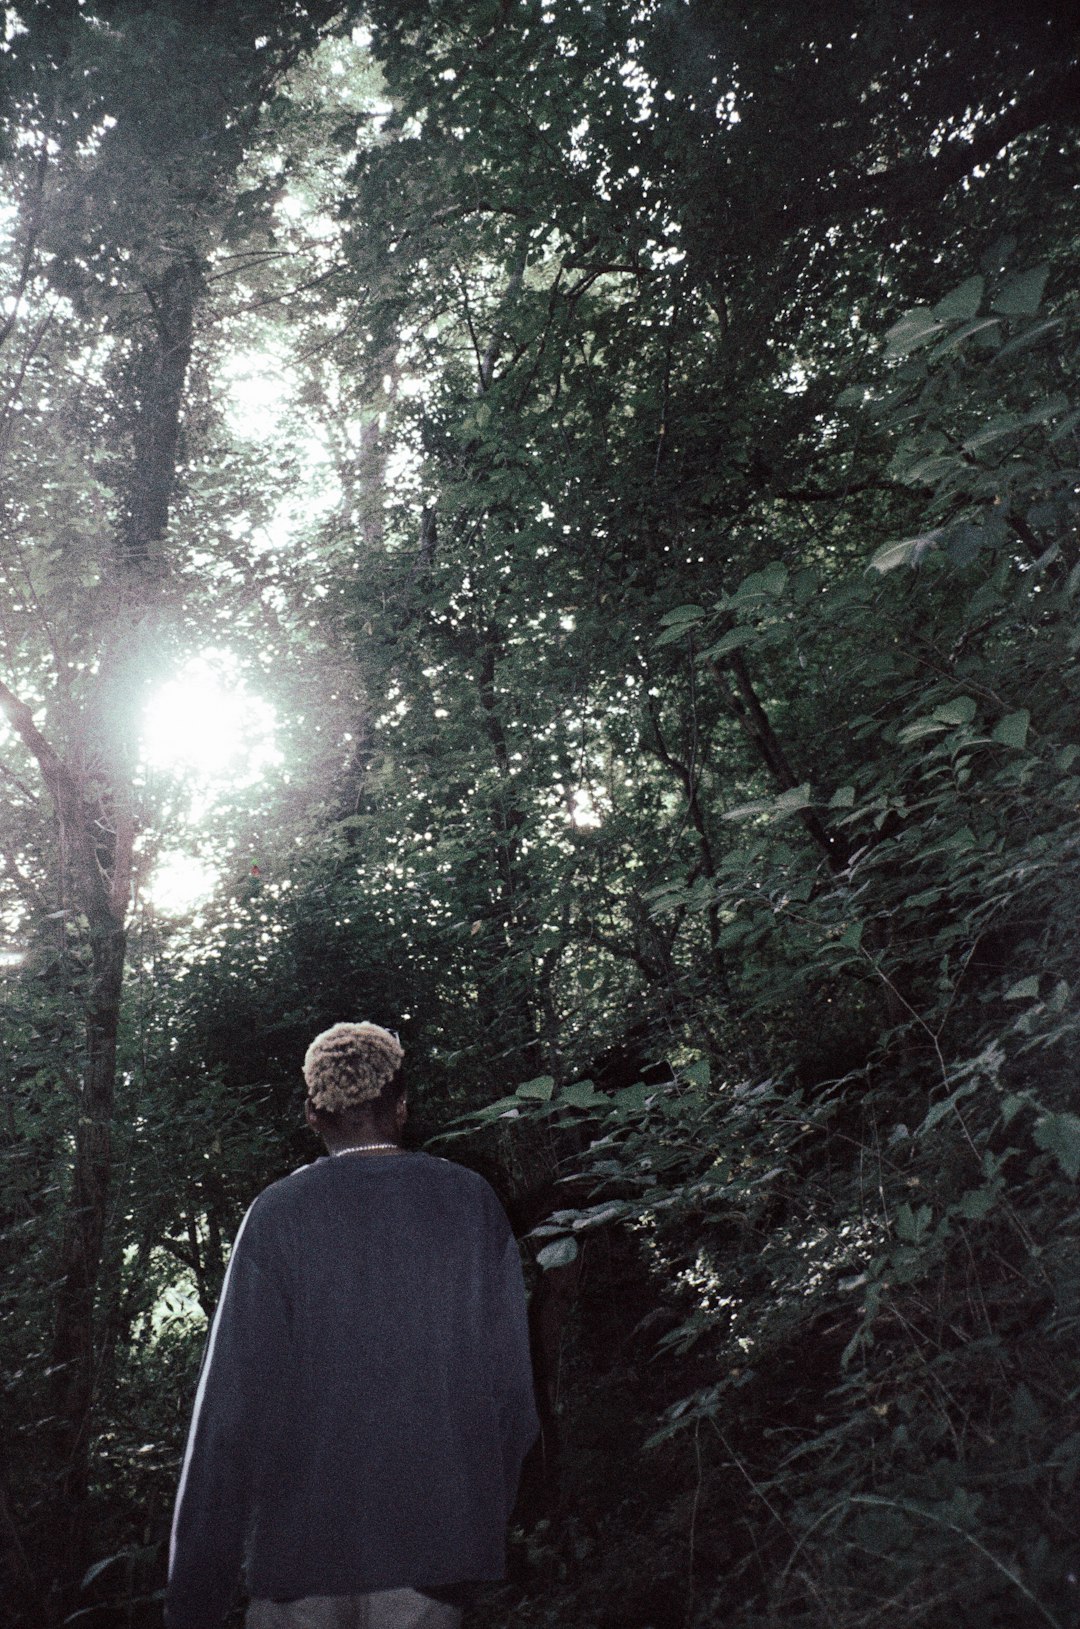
<point>693,1525</point>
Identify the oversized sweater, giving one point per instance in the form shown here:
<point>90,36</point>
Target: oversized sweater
<point>365,1399</point>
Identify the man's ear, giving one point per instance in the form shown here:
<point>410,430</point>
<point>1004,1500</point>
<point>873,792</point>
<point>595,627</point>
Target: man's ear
<point>402,1112</point>
<point>310,1115</point>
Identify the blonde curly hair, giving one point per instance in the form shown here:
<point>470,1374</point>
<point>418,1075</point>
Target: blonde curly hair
<point>349,1065</point>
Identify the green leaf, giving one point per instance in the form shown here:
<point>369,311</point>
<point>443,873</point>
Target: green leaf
<point>963,301</point>
<point>930,470</point>
<point>1049,408</point>
<point>559,1253</point>
<point>772,579</point>
<point>682,615</point>
<point>493,1111</point>
<point>960,711</point>
<point>851,938</point>
<point>1012,730</point>
<point>698,1073</point>
<point>1004,425</point>
<point>609,1211</point>
<point>976,1204</point>
<point>843,798</point>
<point>541,1088</point>
<point>979,326</point>
<point>791,802</point>
<point>632,1098</point>
<point>965,543</point>
<point>911,1225</point>
<point>1025,990</point>
<point>920,727</point>
<point>98,1567</point>
<point>734,639</point>
<point>1021,296</point>
<point>853,396</point>
<point>1027,338</point>
<point>938,1111</point>
<point>908,552</point>
<point>1026,1411</point>
<point>1058,999</point>
<point>1059,1134</point>
<point>744,811</point>
<point>582,1094</point>
<point>913,329</point>
<point>960,840</point>
<point>679,622</point>
<point>1068,424</point>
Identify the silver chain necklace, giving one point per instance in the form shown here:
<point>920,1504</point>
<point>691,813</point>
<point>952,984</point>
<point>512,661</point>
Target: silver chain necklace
<point>365,1148</point>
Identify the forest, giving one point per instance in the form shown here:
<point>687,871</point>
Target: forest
<point>552,526</point>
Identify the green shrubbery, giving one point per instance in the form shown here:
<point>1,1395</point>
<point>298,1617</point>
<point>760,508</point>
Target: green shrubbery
<point>873,1280</point>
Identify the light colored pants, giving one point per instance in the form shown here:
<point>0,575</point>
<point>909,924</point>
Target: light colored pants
<point>386,1609</point>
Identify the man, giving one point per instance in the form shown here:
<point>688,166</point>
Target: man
<point>366,1397</point>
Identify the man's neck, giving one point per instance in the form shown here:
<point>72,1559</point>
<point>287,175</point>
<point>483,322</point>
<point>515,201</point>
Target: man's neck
<point>375,1143</point>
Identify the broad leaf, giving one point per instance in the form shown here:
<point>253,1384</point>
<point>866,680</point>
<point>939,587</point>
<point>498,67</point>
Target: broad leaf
<point>1059,1134</point>
<point>1021,296</point>
<point>541,1088</point>
<point>907,552</point>
<point>915,328</point>
<point>963,301</point>
<point>559,1253</point>
<point>1012,730</point>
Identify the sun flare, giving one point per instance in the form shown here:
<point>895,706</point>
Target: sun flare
<point>205,724</point>
<point>206,728</point>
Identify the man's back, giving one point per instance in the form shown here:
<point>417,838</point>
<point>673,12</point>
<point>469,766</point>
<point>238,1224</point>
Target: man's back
<point>366,1397</point>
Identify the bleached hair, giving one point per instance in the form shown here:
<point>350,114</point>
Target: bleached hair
<point>349,1065</point>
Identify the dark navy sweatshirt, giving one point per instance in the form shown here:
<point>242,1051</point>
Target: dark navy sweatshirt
<point>366,1396</point>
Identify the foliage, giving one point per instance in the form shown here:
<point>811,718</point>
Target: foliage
<point>873,1277</point>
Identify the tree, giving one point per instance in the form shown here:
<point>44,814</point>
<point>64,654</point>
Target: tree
<point>127,127</point>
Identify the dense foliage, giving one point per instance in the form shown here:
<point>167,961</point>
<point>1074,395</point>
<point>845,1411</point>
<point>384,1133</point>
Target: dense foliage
<point>662,559</point>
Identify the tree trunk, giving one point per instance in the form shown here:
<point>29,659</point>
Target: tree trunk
<point>73,1350</point>
<point>104,831</point>
<point>94,814</point>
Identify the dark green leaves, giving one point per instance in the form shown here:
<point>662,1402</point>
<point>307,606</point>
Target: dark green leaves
<point>1059,1134</point>
<point>1021,296</point>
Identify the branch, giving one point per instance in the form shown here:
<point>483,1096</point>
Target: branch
<point>742,700</point>
<point>588,933</point>
<point>27,263</point>
<point>836,494</point>
<point>183,1255</point>
<point>22,722</point>
<point>927,179</point>
<point>513,287</point>
<point>10,775</point>
<point>67,798</point>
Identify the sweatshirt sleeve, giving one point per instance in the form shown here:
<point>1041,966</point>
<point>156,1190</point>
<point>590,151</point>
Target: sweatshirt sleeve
<point>518,1422</point>
<point>234,1403</point>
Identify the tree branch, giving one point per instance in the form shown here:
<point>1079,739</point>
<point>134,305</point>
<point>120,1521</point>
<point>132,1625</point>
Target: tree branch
<point>70,810</point>
<point>742,700</point>
<point>928,179</point>
<point>491,355</point>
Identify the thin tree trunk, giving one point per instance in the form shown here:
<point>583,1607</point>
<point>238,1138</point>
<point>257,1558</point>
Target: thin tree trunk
<point>73,1359</point>
<point>93,809</point>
